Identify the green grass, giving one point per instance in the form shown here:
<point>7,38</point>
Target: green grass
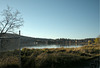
<point>50,58</point>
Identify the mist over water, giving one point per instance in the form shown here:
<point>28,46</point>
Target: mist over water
<point>52,46</point>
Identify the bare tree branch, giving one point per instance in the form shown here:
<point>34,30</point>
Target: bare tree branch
<point>11,20</point>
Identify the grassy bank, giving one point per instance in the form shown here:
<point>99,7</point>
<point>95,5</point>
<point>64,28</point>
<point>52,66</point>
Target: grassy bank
<point>51,58</point>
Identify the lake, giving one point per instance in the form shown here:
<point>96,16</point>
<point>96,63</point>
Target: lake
<point>51,46</point>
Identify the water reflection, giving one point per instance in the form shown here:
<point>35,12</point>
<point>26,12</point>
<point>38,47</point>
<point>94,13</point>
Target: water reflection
<point>52,46</point>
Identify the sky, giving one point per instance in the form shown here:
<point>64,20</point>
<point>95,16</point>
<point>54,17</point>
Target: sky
<point>74,19</point>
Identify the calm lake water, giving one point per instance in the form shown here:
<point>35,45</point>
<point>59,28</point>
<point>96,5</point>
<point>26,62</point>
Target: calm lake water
<point>52,46</point>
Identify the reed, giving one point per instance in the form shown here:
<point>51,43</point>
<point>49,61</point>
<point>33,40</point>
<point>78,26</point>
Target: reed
<point>50,58</point>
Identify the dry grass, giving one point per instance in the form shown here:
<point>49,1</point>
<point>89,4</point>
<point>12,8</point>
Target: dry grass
<point>50,58</point>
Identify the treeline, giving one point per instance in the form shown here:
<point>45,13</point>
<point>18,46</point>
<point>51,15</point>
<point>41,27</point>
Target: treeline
<point>63,41</point>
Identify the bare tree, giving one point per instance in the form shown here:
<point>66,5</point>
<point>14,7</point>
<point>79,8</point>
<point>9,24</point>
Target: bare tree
<point>11,20</point>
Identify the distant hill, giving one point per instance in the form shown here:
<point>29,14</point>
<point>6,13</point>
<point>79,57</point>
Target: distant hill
<point>12,41</point>
<point>8,35</point>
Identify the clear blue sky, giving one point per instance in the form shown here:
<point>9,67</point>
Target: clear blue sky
<point>74,19</point>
